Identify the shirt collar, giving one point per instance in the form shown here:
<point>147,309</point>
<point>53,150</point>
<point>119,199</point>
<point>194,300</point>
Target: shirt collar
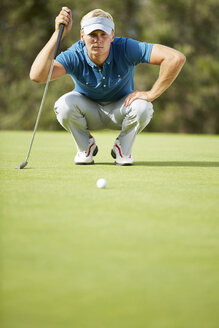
<point>107,61</point>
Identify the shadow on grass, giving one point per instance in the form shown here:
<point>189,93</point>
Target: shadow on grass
<point>149,163</point>
<point>168,163</point>
<point>179,164</point>
<point>105,163</point>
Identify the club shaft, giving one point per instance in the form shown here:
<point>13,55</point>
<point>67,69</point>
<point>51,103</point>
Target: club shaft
<point>61,29</point>
<point>41,106</point>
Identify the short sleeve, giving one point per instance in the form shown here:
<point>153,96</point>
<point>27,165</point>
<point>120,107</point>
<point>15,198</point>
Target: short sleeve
<point>69,60</point>
<point>137,52</point>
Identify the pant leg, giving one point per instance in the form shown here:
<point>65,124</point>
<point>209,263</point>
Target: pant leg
<point>130,120</point>
<point>138,116</point>
<point>78,114</point>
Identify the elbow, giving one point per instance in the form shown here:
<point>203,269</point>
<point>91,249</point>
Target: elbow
<point>180,59</point>
<point>176,60</point>
<point>34,78</point>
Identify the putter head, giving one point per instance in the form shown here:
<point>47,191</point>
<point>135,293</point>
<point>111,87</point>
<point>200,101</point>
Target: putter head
<point>22,165</point>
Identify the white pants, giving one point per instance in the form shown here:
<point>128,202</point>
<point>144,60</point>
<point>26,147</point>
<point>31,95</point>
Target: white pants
<point>78,114</point>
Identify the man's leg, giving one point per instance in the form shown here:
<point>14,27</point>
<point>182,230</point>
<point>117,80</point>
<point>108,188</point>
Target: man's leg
<point>137,117</point>
<point>131,120</point>
<point>78,114</point>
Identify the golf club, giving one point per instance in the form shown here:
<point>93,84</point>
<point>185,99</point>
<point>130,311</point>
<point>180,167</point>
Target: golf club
<point>61,29</point>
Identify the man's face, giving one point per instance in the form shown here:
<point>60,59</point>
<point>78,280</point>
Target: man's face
<point>97,43</point>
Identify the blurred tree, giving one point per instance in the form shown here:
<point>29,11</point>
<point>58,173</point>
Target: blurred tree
<point>191,26</point>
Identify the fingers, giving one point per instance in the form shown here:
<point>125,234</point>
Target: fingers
<point>131,97</point>
<point>137,95</point>
<point>64,17</point>
<point>128,101</point>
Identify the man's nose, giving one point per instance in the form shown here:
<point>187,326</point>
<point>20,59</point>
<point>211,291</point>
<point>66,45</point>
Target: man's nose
<point>98,38</point>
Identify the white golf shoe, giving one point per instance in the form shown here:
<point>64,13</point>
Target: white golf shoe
<point>120,158</point>
<point>86,157</point>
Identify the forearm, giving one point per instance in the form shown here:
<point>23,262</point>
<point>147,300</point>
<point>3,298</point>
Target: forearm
<point>41,65</point>
<point>169,69</point>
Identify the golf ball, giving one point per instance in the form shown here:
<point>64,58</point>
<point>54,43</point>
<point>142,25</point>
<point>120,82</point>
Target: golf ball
<point>101,183</point>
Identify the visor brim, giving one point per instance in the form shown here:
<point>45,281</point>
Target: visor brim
<point>94,27</point>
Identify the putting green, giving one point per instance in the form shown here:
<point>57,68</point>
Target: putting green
<point>141,253</point>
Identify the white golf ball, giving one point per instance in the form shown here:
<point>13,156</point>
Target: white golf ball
<point>101,183</point>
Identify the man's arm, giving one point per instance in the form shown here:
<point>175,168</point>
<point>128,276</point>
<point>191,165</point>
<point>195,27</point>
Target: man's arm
<point>170,61</point>
<point>41,65</point>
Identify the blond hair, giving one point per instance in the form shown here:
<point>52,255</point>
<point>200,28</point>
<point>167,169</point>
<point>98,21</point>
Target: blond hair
<point>97,13</point>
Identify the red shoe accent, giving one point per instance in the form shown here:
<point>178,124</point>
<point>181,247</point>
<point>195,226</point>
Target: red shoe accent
<point>120,153</point>
<point>89,150</point>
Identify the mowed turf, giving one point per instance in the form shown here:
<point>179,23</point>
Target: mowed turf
<point>144,252</point>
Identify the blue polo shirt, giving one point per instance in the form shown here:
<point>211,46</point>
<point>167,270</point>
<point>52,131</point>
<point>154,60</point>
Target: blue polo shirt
<point>116,79</point>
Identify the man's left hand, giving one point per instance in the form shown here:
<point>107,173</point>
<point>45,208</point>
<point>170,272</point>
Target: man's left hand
<point>138,95</point>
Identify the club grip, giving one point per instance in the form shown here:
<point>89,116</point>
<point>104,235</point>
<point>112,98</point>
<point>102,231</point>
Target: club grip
<point>61,29</point>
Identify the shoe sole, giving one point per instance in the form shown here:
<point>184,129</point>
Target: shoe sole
<point>95,151</point>
<point>113,154</point>
<point>91,163</point>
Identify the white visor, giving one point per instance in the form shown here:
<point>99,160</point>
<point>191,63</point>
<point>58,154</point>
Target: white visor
<point>97,23</point>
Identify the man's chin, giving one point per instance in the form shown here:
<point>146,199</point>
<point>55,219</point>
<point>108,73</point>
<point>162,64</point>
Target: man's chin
<point>97,49</point>
<point>97,52</point>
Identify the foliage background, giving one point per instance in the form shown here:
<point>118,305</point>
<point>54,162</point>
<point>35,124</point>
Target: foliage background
<point>190,105</point>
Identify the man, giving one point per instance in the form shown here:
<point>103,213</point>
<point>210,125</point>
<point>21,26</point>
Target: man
<point>102,68</point>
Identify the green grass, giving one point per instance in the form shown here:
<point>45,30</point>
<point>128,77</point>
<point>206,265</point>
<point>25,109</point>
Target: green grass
<point>144,252</point>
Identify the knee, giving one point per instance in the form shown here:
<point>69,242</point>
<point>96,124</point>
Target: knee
<point>142,109</point>
<point>65,106</point>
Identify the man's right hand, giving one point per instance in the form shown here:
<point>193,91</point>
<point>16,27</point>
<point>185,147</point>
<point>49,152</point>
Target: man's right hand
<point>64,17</point>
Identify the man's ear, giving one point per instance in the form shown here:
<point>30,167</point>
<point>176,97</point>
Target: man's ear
<point>82,35</point>
<point>113,34</point>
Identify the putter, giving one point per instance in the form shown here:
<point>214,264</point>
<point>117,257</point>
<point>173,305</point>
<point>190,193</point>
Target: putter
<point>61,29</point>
